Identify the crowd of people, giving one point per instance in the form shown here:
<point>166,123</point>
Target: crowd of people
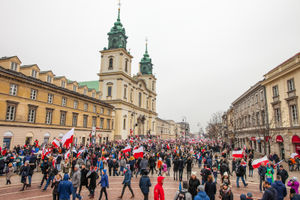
<point>68,170</point>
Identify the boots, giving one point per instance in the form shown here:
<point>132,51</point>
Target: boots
<point>23,187</point>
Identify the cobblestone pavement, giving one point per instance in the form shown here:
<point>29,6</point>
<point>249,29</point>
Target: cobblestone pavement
<point>11,192</point>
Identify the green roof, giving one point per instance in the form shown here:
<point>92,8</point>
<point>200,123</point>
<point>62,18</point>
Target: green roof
<point>90,84</point>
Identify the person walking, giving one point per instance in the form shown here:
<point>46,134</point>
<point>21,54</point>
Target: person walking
<point>283,174</point>
<point>76,182</point>
<point>226,193</point>
<point>201,193</point>
<point>189,163</point>
<point>9,172</point>
<point>159,193</point>
<point>262,170</point>
<point>127,183</point>
<point>143,164</point>
<point>193,184</point>
<point>92,175</point>
<point>175,168</point>
<point>51,174</point>
<point>104,184</point>
<point>44,168</point>
<point>65,188</point>
<point>83,179</point>
<point>180,168</point>
<point>210,188</point>
<point>24,174</point>
<point>250,167</point>
<point>54,185</point>
<point>145,184</point>
<point>240,173</point>
<point>280,188</point>
<point>184,193</point>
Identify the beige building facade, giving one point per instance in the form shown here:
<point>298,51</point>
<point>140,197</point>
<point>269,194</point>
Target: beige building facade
<point>36,104</point>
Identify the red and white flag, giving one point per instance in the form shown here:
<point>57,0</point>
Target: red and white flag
<point>67,155</point>
<point>80,152</point>
<point>126,149</point>
<point>256,163</point>
<point>138,153</point>
<point>56,143</point>
<point>295,155</point>
<point>68,138</point>
<point>45,152</point>
<point>54,161</point>
<point>237,154</point>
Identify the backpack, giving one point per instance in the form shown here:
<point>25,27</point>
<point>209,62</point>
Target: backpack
<point>181,195</point>
<point>239,170</point>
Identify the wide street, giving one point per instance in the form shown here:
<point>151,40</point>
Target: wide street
<point>11,192</point>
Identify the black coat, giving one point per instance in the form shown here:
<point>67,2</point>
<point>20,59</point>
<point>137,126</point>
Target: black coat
<point>210,189</point>
<point>93,179</point>
<point>193,184</point>
<point>84,180</point>
<point>180,164</point>
<point>189,164</point>
<point>145,184</point>
<point>54,185</point>
<point>283,174</point>
<point>175,164</point>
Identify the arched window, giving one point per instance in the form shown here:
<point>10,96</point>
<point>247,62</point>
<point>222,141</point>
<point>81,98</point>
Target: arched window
<point>126,65</point>
<point>111,62</point>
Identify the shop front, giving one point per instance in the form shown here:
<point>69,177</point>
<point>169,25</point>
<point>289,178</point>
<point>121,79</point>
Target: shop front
<point>296,143</point>
<point>7,137</point>
<point>279,141</point>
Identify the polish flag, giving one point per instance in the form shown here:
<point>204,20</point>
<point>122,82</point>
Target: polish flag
<point>126,149</point>
<point>295,155</point>
<point>168,147</point>
<point>67,155</point>
<point>54,161</point>
<point>256,163</point>
<point>56,143</point>
<point>68,138</point>
<point>237,154</point>
<point>80,152</point>
<point>131,140</point>
<point>138,153</point>
<point>45,152</point>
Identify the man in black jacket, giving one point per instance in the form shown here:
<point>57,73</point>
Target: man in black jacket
<point>262,170</point>
<point>283,174</point>
<point>270,193</point>
<point>83,179</point>
<point>240,173</point>
<point>180,168</point>
<point>44,169</point>
<point>189,163</point>
<point>175,168</point>
<point>110,165</point>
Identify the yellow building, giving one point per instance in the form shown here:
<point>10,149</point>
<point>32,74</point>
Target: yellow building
<point>37,104</point>
<point>282,84</point>
<point>133,96</point>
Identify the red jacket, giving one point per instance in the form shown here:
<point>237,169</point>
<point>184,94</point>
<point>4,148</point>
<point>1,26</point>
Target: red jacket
<point>159,190</point>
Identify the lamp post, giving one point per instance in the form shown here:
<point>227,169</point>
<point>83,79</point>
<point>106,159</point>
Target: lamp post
<point>184,120</point>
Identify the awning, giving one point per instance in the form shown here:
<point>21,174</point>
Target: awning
<point>279,139</point>
<point>8,134</point>
<point>296,139</point>
<point>47,135</point>
<point>253,139</point>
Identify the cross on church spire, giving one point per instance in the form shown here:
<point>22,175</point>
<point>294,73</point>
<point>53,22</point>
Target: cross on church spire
<point>119,4</point>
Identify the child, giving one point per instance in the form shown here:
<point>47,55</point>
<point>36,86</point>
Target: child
<point>269,176</point>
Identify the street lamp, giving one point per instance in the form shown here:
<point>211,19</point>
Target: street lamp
<point>184,120</point>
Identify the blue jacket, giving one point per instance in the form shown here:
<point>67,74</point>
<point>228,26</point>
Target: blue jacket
<point>280,188</point>
<point>145,184</point>
<point>127,177</point>
<point>104,179</point>
<point>201,196</point>
<point>65,188</point>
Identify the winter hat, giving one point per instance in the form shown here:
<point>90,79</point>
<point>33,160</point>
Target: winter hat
<point>194,173</point>
<point>225,174</point>
<point>200,188</point>
<point>249,194</point>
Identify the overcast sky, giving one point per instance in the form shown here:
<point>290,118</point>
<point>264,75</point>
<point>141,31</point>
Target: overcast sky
<point>206,53</point>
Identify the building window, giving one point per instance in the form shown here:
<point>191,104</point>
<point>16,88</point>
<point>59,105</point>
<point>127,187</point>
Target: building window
<point>277,116</point>
<point>140,99</point>
<point>34,73</point>
<point>74,88</point>
<point>75,104</point>
<point>93,94</point>
<point>257,119</point>
<point>108,112</point>
<point>124,124</point>
<point>125,93</point>
<point>109,90</point>
<point>263,117</point>
<point>50,98</point>
<point>11,112</point>
<point>74,119</point>
<point>14,66</point>
<point>84,91</point>
<point>33,94</point>
<point>13,89</point>
<point>64,101</point>
<point>112,124</point>
<point>153,86</point>
<point>85,107</point>
<point>275,91</point>
<point>108,124</point>
<point>94,109</point>
<point>126,65</point>
<point>111,62</point>
<point>85,121</point>
<point>94,122</point>
<point>63,84</point>
<point>101,123</point>
<point>31,114</point>
<point>294,113</point>
<point>102,110</point>
<point>261,95</point>
<point>49,79</point>
<point>63,115</point>
<point>291,85</point>
<point>49,116</point>
<point>131,95</point>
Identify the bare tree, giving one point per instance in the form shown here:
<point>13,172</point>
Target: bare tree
<point>214,126</point>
